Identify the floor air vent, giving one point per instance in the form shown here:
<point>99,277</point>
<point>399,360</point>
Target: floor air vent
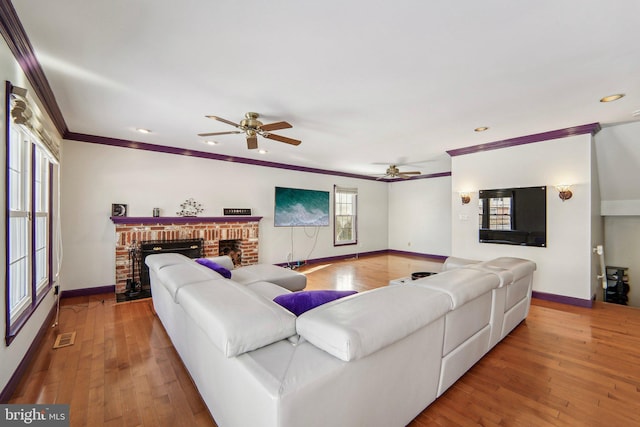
<point>64,340</point>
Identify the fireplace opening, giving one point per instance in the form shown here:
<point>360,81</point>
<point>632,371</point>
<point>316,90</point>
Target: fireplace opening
<point>139,284</point>
<point>232,248</point>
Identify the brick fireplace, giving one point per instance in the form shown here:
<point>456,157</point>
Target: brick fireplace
<point>131,231</point>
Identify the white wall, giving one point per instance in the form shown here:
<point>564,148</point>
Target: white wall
<point>618,154</point>
<point>420,216</point>
<point>95,176</point>
<point>564,266</point>
<point>12,355</point>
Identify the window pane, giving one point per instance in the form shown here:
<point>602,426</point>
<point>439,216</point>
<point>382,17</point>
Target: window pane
<point>41,190</point>
<point>18,172</point>
<point>19,285</point>
<point>41,243</point>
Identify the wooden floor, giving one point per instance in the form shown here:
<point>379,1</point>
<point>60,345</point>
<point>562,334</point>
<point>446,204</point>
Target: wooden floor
<point>563,366</point>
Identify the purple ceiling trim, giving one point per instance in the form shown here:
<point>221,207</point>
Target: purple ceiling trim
<point>202,154</point>
<point>148,220</point>
<point>591,128</point>
<point>19,44</point>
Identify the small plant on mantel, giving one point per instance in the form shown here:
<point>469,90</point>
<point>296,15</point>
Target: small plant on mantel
<point>190,208</point>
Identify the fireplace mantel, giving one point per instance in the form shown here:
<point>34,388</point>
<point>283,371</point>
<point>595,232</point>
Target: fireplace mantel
<point>148,220</point>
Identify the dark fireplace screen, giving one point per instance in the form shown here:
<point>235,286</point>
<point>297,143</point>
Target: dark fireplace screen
<point>192,248</point>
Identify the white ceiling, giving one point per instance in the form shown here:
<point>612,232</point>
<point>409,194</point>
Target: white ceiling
<point>363,83</point>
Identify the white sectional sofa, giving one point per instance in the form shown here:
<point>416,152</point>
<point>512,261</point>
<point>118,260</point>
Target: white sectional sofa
<point>376,358</point>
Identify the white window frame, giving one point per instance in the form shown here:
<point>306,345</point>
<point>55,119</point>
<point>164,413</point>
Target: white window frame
<point>345,216</point>
<point>28,197</point>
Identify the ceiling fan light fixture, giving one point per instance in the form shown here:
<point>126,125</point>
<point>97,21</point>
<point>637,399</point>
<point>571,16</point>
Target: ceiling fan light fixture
<point>611,98</point>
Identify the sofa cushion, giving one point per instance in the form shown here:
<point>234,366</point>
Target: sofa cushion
<point>233,317</point>
<point>517,266</point>
<point>451,263</point>
<point>177,276</point>
<point>221,270</point>
<point>505,276</point>
<point>158,261</point>
<point>354,327</point>
<point>462,284</point>
<point>299,302</point>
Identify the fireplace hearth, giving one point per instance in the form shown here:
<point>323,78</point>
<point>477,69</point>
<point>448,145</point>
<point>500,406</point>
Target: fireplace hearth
<point>139,285</point>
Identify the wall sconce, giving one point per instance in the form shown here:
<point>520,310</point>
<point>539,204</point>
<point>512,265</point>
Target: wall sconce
<point>564,192</point>
<point>465,198</point>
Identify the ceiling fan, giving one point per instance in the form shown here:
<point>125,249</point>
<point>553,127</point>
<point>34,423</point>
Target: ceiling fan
<point>253,127</point>
<point>394,172</point>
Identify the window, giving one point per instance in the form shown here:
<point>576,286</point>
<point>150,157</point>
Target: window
<point>28,202</point>
<point>345,212</point>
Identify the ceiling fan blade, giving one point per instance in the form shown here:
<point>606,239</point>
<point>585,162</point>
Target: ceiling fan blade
<point>219,133</point>
<point>252,142</point>
<point>220,119</point>
<point>275,126</point>
<point>411,173</point>
<point>282,139</point>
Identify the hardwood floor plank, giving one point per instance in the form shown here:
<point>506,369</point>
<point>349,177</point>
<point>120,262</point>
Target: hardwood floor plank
<point>562,366</point>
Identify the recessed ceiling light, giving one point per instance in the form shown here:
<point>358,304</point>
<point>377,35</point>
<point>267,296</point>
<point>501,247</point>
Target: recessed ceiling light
<point>262,151</point>
<point>611,98</point>
<point>481,129</point>
<point>210,142</point>
<point>143,130</point>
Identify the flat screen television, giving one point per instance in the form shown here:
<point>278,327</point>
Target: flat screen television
<point>296,207</point>
<point>514,216</point>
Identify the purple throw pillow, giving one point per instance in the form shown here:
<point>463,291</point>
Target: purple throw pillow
<point>224,272</point>
<point>299,302</point>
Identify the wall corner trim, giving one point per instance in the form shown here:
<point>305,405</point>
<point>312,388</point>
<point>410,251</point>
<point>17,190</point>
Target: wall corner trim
<point>562,299</point>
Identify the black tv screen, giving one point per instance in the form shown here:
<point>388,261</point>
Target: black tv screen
<point>296,207</point>
<point>514,216</point>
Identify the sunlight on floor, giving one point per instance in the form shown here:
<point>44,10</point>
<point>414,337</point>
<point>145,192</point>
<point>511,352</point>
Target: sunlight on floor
<point>316,268</point>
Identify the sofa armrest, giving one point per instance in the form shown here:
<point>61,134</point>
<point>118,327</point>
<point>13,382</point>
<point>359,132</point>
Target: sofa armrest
<point>452,263</point>
<point>223,260</point>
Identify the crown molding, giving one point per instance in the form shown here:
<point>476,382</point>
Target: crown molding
<point>591,128</point>
<point>115,142</point>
